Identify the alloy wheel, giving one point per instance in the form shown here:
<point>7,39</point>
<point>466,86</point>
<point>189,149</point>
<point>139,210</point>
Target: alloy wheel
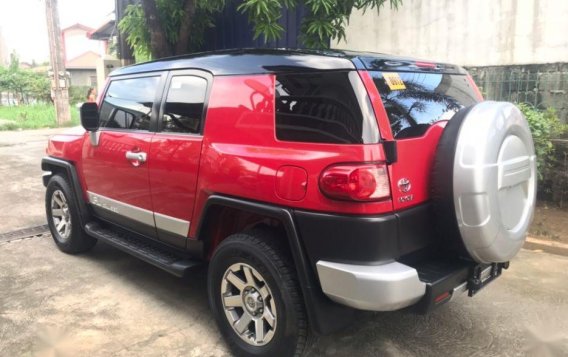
<point>249,304</point>
<point>61,215</point>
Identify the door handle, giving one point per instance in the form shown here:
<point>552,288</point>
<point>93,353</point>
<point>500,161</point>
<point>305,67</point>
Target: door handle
<point>136,158</point>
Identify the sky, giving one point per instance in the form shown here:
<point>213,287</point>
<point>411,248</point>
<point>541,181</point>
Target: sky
<point>23,26</point>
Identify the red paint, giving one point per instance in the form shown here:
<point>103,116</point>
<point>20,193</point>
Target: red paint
<point>68,145</point>
<point>108,172</point>
<point>291,183</point>
<point>173,164</point>
<point>415,160</point>
<point>378,107</point>
<point>415,155</point>
<point>244,161</point>
<point>240,156</point>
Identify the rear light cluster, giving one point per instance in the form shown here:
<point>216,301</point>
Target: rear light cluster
<point>355,182</point>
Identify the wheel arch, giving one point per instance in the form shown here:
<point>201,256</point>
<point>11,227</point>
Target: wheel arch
<point>324,315</point>
<point>54,166</point>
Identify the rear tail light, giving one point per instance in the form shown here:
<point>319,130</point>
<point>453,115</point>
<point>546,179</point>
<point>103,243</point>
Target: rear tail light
<point>356,182</point>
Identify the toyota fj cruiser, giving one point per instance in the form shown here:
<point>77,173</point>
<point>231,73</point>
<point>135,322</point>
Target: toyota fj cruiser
<point>312,183</point>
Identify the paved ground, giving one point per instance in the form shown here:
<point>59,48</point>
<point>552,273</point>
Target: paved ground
<point>21,191</point>
<point>107,303</point>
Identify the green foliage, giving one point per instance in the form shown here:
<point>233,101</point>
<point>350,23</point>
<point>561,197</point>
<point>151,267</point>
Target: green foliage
<point>25,84</point>
<point>134,24</point>
<point>326,21</point>
<point>545,126</point>
<point>170,13</point>
<point>78,94</point>
<point>33,116</point>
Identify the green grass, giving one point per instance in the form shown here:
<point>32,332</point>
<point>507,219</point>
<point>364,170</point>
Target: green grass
<point>33,117</point>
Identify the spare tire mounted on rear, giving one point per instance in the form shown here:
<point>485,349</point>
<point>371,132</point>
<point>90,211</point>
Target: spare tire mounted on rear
<point>484,181</point>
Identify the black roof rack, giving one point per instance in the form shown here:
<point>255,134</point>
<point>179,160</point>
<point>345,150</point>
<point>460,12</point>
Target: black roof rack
<point>259,60</point>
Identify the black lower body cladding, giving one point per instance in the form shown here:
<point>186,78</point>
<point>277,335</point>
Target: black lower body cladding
<point>365,239</point>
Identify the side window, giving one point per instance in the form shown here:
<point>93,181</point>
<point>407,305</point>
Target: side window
<point>328,107</point>
<point>183,110</point>
<point>128,103</point>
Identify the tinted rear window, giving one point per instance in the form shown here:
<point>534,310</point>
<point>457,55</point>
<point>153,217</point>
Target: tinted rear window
<point>415,101</point>
<point>328,107</point>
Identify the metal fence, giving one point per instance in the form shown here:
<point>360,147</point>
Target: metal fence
<point>542,89</point>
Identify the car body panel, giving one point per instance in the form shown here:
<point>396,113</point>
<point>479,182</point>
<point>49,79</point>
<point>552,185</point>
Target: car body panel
<point>244,161</point>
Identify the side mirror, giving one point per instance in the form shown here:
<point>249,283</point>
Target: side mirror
<point>90,116</point>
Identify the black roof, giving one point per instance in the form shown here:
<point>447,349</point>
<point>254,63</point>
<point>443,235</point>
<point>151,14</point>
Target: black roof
<point>256,61</point>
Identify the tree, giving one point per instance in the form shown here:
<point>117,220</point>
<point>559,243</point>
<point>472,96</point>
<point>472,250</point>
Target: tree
<point>161,28</point>
<point>25,85</point>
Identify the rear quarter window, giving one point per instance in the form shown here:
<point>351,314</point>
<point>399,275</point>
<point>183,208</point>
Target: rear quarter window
<point>414,101</point>
<point>325,107</point>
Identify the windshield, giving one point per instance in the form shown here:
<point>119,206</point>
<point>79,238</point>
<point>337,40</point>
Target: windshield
<point>414,101</point>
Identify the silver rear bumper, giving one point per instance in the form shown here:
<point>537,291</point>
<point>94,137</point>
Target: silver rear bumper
<point>386,287</point>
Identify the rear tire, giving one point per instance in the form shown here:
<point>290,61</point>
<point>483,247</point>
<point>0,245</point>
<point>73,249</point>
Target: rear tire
<point>63,218</point>
<point>267,282</point>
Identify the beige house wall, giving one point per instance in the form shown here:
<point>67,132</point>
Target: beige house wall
<point>466,32</point>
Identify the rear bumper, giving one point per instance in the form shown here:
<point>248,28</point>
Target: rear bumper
<point>394,285</point>
<point>384,287</point>
<point>382,263</point>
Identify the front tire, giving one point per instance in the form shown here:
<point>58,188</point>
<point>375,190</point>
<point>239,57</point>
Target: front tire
<point>63,218</point>
<point>255,296</point>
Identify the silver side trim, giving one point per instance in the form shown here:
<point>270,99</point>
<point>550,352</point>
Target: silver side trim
<point>172,224</point>
<point>161,221</point>
<point>124,209</point>
<point>386,287</point>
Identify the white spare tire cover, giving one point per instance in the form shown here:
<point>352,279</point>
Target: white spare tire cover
<point>484,181</point>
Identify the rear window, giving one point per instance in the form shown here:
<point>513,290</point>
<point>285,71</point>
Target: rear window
<point>415,101</point>
<point>329,107</point>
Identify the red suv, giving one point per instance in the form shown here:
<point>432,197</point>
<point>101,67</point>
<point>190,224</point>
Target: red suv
<point>312,183</point>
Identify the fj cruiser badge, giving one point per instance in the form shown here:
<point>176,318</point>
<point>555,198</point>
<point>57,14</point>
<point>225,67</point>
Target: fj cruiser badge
<point>404,185</point>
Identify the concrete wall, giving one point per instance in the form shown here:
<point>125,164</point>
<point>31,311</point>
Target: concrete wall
<point>466,32</point>
<point>82,77</point>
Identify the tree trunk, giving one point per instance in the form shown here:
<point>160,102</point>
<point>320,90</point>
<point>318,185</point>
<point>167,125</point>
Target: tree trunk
<point>185,27</point>
<point>158,42</point>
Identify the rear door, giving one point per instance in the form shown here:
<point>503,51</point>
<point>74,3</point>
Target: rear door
<point>417,106</point>
<point>116,170</point>
<point>175,152</point>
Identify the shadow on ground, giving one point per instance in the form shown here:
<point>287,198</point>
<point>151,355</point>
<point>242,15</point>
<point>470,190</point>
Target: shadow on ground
<point>108,303</point>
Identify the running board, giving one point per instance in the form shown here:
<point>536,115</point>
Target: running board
<point>143,249</point>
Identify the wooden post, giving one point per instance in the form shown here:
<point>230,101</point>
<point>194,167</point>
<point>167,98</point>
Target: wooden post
<point>59,82</point>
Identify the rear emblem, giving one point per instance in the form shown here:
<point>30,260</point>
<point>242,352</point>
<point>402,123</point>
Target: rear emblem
<point>404,185</point>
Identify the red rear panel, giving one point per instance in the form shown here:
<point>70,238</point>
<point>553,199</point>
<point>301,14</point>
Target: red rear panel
<point>249,161</point>
<point>413,110</point>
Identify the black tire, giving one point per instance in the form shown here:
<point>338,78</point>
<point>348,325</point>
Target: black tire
<point>442,186</point>
<point>268,255</point>
<point>77,241</point>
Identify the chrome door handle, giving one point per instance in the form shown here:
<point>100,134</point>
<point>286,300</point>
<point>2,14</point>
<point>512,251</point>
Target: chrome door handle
<point>140,157</point>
